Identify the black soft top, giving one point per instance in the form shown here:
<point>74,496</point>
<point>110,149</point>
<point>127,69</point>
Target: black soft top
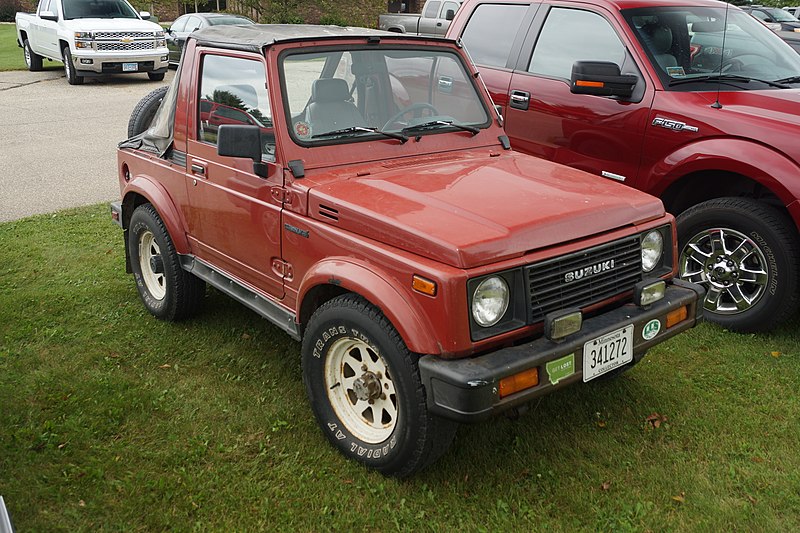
<point>254,37</point>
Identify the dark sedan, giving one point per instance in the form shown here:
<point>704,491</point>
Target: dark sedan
<point>186,24</point>
<point>775,19</point>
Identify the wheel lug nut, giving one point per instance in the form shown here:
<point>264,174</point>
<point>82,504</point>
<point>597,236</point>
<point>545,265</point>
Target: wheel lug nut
<point>371,401</point>
<point>383,396</point>
<point>378,375</point>
<point>364,368</point>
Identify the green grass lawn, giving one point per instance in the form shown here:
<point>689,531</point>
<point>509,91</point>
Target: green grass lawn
<point>11,57</point>
<point>112,420</point>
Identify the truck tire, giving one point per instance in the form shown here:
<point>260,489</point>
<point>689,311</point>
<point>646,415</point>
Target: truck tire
<point>69,68</point>
<point>156,76</point>
<point>167,291</point>
<point>745,253</point>
<point>142,115</point>
<point>32,59</point>
<point>365,389</point>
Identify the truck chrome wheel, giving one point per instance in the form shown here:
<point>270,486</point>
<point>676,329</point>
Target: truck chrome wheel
<point>152,265</point>
<point>360,390</point>
<point>730,265</point>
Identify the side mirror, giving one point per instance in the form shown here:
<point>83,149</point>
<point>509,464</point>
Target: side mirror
<point>234,140</point>
<point>145,15</point>
<point>601,78</point>
<point>449,14</point>
<point>48,15</point>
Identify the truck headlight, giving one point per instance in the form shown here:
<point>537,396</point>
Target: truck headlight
<point>83,35</point>
<point>652,249</point>
<point>490,301</point>
<point>161,43</point>
<point>160,35</point>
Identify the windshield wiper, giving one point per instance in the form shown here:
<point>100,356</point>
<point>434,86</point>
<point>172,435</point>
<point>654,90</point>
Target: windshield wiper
<point>728,78</point>
<point>790,79</point>
<point>437,123</point>
<point>354,130</point>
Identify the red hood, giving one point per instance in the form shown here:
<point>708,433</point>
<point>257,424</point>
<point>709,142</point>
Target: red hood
<point>472,211</point>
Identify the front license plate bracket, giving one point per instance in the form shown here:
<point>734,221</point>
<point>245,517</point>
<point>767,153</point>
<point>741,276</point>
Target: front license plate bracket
<point>607,352</point>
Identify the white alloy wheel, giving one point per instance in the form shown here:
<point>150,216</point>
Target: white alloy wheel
<point>151,265</point>
<point>360,390</point>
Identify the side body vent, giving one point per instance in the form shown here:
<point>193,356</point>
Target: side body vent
<point>329,213</point>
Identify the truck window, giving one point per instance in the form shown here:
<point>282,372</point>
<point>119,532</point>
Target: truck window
<point>490,33</point>
<point>233,91</point>
<point>449,6</point>
<point>571,35</point>
<point>432,9</point>
<point>102,9</point>
<point>44,5</point>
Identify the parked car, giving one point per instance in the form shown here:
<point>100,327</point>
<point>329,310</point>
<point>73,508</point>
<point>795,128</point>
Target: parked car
<point>432,274</point>
<point>792,38</point>
<point>434,19</point>
<point>794,11</point>
<point>92,38</point>
<point>774,18</point>
<point>667,98</point>
<point>186,24</point>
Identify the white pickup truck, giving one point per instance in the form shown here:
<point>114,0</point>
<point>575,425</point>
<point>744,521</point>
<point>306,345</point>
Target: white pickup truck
<point>93,38</point>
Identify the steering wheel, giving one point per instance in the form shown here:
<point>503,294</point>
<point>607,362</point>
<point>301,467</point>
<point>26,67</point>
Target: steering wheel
<point>418,107</point>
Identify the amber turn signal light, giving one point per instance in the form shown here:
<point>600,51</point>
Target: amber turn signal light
<point>584,83</point>
<point>524,380</point>
<point>677,316</point>
<point>425,286</point>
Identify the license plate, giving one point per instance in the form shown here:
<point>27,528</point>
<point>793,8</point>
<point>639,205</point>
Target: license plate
<point>607,352</point>
<point>130,67</point>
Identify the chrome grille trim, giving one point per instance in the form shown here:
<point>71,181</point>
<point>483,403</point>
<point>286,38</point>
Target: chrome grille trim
<point>116,35</point>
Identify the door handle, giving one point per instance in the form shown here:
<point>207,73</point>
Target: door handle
<point>520,100</point>
<point>439,24</point>
<point>198,168</point>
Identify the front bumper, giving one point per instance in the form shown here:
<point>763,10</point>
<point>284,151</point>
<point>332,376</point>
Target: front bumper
<point>104,63</point>
<point>467,390</point>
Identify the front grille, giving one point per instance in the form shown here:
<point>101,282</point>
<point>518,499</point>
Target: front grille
<point>117,47</point>
<point>117,35</point>
<point>549,290</point>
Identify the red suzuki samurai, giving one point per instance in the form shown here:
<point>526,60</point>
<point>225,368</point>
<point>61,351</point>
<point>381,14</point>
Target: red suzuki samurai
<point>368,204</point>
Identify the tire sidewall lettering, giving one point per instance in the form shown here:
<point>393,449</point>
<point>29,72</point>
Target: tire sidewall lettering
<point>771,260</point>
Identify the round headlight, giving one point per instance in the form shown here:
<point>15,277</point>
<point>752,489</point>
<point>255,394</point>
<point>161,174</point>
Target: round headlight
<point>652,248</point>
<point>490,301</point>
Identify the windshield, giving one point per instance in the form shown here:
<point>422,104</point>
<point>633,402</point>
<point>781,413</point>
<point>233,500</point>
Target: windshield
<point>780,15</point>
<point>686,44</point>
<point>227,21</point>
<point>98,9</point>
<point>349,95</point>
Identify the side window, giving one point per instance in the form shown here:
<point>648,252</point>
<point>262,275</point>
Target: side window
<point>192,24</point>
<point>179,24</point>
<point>490,33</point>
<point>760,15</point>
<point>432,9</point>
<point>45,6</point>
<point>233,91</point>
<point>571,35</point>
<point>449,6</point>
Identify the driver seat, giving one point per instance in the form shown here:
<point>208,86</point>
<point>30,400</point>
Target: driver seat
<point>331,107</point>
<point>659,39</point>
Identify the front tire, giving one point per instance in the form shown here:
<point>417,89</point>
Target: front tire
<point>69,68</point>
<point>156,76</point>
<point>167,291</point>
<point>365,389</point>
<point>745,253</point>
<point>32,59</point>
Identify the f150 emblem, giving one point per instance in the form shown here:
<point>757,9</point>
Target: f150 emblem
<point>673,124</point>
<point>588,271</point>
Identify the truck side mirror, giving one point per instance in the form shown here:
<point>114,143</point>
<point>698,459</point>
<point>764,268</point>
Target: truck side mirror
<point>234,140</point>
<point>145,15</point>
<point>48,15</point>
<point>449,14</point>
<point>601,78</point>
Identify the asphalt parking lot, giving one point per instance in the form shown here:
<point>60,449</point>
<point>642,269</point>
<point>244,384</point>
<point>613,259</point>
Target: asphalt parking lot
<point>58,141</point>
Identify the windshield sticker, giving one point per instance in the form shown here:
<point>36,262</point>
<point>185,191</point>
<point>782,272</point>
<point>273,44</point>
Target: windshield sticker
<point>302,129</point>
<point>676,72</point>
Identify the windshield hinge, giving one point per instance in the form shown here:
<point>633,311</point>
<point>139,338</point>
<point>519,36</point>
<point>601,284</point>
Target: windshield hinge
<point>282,268</point>
<point>281,195</point>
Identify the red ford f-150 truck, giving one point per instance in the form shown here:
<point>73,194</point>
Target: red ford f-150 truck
<point>690,100</point>
<point>433,275</point>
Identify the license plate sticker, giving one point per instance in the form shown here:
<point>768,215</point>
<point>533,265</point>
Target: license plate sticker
<point>130,67</point>
<point>607,352</point>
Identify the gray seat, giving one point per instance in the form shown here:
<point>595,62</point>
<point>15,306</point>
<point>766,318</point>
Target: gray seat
<point>330,107</point>
<point>659,40</point>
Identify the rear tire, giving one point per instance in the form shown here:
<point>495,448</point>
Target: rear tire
<point>32,59</point>
<point>745,253</point>
<point>142,115</point>
<point>366,392</point>
<point>69,68</point>
<point>156,76</point>
<point>167,291</point>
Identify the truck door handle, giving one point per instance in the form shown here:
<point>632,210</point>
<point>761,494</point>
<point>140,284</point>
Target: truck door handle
<point>439,24</point>
<point>520,100</point>
<point>197,168</point>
